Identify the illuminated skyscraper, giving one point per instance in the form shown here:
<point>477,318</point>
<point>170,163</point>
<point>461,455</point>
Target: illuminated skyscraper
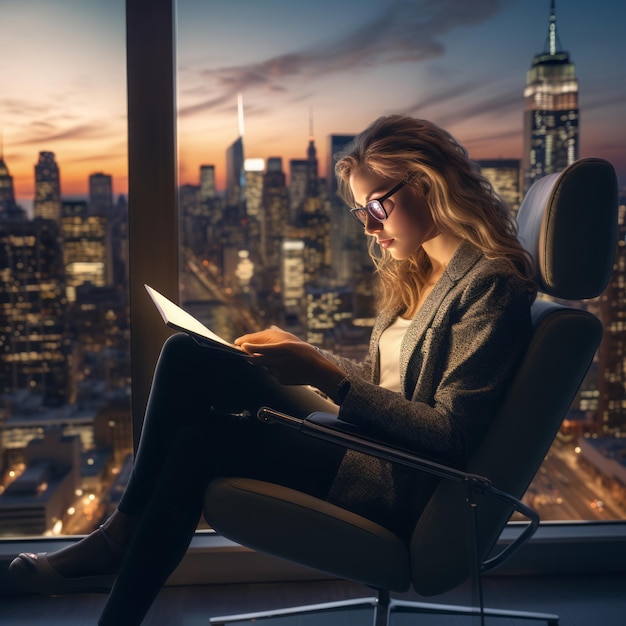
<point>612,410</point>
<point>254,171</point>
<point>101,204</point>
<point>84,247</point>
<point>47,187</point>
<point>551,111</point>
<point>33,338</point>
<point>503,174</point>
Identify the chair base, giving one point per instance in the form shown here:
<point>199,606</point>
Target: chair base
<point>383,607</point>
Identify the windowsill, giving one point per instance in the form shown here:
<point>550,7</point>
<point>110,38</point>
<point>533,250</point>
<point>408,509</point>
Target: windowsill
<point>556,548</point>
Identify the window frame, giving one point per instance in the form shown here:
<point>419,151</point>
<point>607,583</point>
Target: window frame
<point>152,184</point>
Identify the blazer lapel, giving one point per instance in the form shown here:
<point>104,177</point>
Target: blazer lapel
<point>462,261</point>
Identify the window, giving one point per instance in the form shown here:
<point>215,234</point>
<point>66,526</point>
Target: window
<point>256,200</point>
<point>262,106</point>
<point>65,427</point>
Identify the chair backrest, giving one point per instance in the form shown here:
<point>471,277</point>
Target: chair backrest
<point>568,222</point>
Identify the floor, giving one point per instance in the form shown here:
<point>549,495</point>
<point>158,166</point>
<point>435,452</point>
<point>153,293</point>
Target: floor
<point>579,601</point>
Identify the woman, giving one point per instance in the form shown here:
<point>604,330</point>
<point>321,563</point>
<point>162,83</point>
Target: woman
<point>453,322</point>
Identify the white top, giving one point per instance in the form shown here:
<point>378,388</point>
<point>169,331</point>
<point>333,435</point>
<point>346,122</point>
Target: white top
<point>389,353</point>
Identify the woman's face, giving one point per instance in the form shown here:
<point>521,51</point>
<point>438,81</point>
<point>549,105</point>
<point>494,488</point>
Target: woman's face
<point>409,225</point>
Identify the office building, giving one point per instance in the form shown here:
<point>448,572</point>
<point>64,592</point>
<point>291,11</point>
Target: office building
<point>612,354</point>
<point>254,170</point>
<point>336,144</point>
<point>101,204</point>
<point>551,111</point>
<point>84,247</point>
<point>100,194</point>
<point>47,188</point>
<point>37,501</point>
<point>503,174</point>
<point>9,211</point>
<point>207,182</point>
<point>235,173</point>
<point>298,177</point>
<point>276,209</point>
<point>33,347</point>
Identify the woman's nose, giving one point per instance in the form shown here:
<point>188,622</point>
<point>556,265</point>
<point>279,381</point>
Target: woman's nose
<point>372,225</point>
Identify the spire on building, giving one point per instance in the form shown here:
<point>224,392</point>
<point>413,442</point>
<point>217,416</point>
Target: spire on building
<point>553,44</point>
<point>551,132</point>
<point>240,114</point>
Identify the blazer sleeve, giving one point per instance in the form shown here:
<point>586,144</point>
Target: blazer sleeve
<point>464,368</point>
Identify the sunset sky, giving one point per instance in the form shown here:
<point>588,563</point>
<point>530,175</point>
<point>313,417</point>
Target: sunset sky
<point>461,63</point>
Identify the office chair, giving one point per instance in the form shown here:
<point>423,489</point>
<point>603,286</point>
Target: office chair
<point>568,223</point>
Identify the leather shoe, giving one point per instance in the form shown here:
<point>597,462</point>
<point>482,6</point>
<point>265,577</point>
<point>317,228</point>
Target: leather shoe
<point>34,572</point>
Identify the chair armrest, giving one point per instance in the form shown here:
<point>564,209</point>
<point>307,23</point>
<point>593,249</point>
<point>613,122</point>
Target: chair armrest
<point>329,427</point>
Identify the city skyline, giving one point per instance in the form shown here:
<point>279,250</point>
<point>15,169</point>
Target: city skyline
<point>345,68</point>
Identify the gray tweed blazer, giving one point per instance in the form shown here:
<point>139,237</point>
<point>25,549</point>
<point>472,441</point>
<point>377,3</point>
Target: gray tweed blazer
<point>457,357</point>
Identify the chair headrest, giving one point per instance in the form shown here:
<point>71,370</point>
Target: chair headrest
<point>568,223</point>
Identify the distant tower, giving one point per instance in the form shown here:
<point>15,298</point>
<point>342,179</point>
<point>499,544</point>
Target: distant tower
<point>304,183</point>
<point>503,174</point>
<point>84,247</point>
<point>207,183</point>
<point>8,208</point>
<point>235,173</point>
<point>101,205</point>
<point>101,194</point>
<point>47,188</point>
<point>312,187</point>
<point>551,111</point>
<point>276,209</point>
<point>337,143</point>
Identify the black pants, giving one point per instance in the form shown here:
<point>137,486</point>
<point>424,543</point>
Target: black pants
<point>189,437</point>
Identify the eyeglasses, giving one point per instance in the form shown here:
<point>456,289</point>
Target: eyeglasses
<point>375,207</point>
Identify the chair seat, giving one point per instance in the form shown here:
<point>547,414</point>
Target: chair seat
<point>296,526</point>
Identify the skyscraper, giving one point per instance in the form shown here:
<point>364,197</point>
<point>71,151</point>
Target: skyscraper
<point>551,111</point>
<point>9,211</point>
<point>207,183</point>
<point>47,187</point>
<point>235,173</point>
<point>33,338</point>
<point>101,194</point>
<point>503,174</point>
<point>84,247</point>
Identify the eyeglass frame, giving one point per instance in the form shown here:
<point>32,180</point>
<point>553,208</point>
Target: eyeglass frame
<point>379,201</point>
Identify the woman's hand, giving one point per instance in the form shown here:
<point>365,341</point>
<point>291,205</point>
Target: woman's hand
<point>290,360</point>
<point>271,335</point>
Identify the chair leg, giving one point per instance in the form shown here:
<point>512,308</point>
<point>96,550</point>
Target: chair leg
<point>381,614</point>
<point>381,609</point>
<point>401,606</point>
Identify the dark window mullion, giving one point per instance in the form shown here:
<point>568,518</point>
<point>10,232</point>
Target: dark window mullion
<point>152,182</point>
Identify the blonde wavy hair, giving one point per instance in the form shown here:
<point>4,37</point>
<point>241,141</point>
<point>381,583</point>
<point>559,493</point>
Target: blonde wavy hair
<point>462,202</point>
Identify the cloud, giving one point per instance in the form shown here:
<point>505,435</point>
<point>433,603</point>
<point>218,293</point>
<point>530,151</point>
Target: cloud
<point>14,108</point>
<point>406,31</point>
<point>82,132</point>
